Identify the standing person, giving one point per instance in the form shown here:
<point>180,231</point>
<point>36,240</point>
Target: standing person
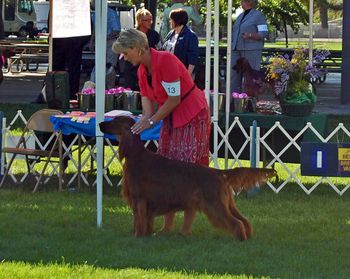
<point>182,41</point>
<point>164,80</point>
<point>67,56</point>
<point>192,12</point>
<point>248,34</point>
<point>144,21</point>
<point>113,29</point>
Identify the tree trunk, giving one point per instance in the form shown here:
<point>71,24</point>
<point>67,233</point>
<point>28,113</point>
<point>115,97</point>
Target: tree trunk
<point>285,31</point>
<point>324,14</point>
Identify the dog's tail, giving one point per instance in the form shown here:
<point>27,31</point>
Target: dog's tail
<point>246,178</point>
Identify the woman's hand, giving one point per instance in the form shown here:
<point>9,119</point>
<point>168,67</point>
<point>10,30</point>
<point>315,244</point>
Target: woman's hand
<point>140,126</point>
<point>251,36</point>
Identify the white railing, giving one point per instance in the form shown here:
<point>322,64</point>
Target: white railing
<point>251,142</point>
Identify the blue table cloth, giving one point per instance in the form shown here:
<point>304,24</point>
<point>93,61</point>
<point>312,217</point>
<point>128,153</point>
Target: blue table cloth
<point>67,127</point>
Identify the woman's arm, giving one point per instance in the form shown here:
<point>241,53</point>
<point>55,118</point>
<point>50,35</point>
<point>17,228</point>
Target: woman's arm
<point>147,110</point>
<point>147,107</point>
<point>192,51</point>
<point>190,69</point>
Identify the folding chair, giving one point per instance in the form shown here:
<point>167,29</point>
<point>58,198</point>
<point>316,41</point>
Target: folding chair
<point>50,152</point>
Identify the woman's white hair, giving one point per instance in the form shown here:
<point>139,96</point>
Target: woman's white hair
<point>129,39</point>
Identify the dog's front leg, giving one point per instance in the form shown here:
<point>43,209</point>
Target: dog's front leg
<point>140,218</point>
<point>189,216</point>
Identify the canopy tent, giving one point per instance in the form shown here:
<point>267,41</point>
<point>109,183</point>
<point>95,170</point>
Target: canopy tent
<point>101,18</point>
<point>100,62</point>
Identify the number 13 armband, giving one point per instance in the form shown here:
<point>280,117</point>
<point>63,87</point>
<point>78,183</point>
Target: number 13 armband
<point>172,88</point>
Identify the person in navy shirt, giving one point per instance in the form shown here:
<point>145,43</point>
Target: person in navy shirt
<point>182,41</point>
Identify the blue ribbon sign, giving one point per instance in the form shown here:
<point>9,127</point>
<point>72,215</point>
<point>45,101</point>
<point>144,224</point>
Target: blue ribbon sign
<point>325,159</point>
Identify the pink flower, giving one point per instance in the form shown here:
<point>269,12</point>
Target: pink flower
<point>88,91</point>
<point>235,95</point>
<point>118,90</point>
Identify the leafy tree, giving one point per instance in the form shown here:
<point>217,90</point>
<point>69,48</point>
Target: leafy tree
<point>281,13</point>
<point>323,7</point>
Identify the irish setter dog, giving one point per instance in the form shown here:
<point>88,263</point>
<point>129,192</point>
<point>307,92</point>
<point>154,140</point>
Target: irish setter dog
<point>154,185</point>
<point>254,82</point>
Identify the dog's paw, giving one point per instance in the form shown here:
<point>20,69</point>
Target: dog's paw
<point>248,229</point>
<point>240,232</point>
<point>185,232</point>
<point>163,231</point>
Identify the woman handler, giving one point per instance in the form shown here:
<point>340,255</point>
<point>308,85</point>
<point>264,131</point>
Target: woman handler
<point>164,80</point>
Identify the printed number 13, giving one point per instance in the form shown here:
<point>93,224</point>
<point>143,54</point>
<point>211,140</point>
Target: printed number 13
<point>171,90</point>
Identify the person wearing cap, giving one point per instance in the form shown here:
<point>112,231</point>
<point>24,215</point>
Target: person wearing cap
<point>165,81</point>
<point>248,35</point>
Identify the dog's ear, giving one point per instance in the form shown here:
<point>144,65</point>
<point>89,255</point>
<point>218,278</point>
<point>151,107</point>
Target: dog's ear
<point>125,123</point>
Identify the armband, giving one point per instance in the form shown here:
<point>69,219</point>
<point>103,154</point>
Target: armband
<point>262,28</point>
<point>172,88</point>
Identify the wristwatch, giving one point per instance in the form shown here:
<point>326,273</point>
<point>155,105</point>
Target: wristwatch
<point>151,122</point>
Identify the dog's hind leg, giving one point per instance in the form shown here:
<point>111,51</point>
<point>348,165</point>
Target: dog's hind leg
<point>150,221</point>
<point>221,217</point>
<point>189,216</point>
<point>168,222</point>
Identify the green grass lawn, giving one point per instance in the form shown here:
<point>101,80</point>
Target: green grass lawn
<point>331,45</point>
<point>54,235</point>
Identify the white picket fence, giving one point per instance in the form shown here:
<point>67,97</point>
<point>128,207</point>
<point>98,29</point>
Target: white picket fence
<point>252,144</point>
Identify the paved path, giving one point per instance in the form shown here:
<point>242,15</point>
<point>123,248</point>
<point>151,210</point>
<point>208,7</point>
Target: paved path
<point>329,96</point>
<point>21,88</point>
<point>26,86</point>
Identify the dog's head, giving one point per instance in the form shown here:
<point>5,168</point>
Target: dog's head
<point>120,126</point>
<point>242,65</point>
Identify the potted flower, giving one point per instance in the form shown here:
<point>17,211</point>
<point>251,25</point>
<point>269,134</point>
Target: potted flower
<point>240,101</point>
<point>292,78</point>
<point>110,98</point>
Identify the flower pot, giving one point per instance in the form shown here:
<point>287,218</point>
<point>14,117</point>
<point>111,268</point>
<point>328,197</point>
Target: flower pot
<point>118,101</point>
<point>240,105</point>
<point>109,102</point>
<point>221,102</point>
<point>303,109</point>
<point>129,100</point>
<point>86,101</point>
